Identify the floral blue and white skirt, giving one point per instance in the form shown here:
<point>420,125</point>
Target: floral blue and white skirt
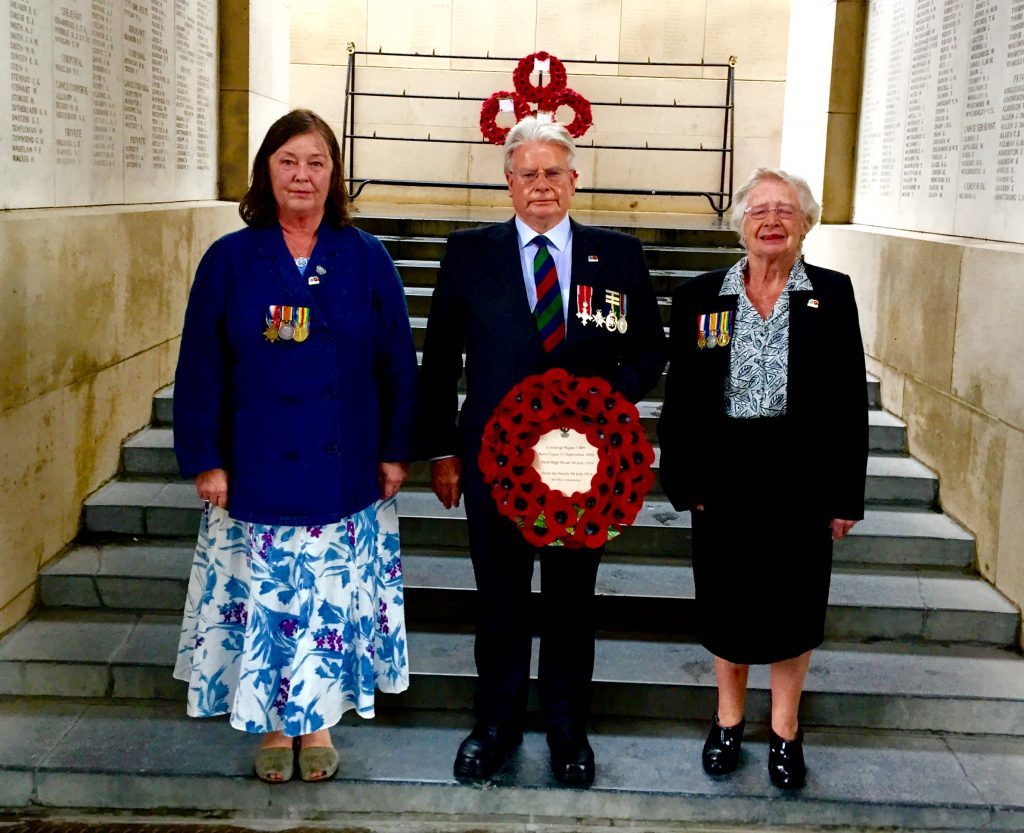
<point>288,627</point>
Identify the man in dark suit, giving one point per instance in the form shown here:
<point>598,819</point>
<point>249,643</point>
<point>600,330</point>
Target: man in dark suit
<point>518,298</point>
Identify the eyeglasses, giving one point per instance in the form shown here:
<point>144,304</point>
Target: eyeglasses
<point>784,211</point>
<point>556,176</point>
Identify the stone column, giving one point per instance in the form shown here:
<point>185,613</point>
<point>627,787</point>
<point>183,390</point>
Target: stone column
<point>254,59</point>
<point>823,82</point>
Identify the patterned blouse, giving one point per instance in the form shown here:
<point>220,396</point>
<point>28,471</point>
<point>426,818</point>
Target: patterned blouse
<point>759,362</point>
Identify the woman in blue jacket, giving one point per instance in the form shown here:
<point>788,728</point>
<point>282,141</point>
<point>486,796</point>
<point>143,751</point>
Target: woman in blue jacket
<point>293,406</point>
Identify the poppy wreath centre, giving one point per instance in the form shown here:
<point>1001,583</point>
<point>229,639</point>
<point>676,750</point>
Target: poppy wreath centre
<point>489,113</point>
<point>611,423</point>
<point>583,118</point>
<point>524,69</point>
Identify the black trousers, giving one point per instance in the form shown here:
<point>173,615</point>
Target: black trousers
<point>503,563</point>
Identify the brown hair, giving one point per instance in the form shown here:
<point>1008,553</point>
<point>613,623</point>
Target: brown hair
<point>258,207</point>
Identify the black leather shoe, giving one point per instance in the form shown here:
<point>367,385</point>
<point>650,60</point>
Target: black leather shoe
<point>722,748</point>
<point>572,759</point>
<point>483,752</point>
<point>786,765</point>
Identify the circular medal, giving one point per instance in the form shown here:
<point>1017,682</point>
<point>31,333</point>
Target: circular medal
<point>709,343</point>
<point>609,322</point>
<point>302,262</point>
<point>723,339</point>
<point>301,334</point>
<point>622,326</point>
<point>286,331</point>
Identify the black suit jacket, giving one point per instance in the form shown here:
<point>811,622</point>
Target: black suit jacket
<point>480,308</point>
<point>826,395</point>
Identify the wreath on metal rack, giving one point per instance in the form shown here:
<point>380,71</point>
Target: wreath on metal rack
<point>524,69</point>
<point>489,114</point>
<point>547,97</point>
<point>583,119</point>
<point>610,422</point>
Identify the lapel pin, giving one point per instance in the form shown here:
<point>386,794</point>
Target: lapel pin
<point>313,280</point>
<point>320,270</point>
<point>591,258</point>
<point>813,303</point>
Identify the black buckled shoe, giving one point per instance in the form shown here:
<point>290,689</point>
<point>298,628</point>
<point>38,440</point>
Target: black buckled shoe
<point>786,765</point>
<point>572,759</point>
<point>483,752</point>
<point>722,748</point>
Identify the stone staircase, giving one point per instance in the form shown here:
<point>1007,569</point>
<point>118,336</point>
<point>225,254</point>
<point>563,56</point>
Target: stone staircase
<point>914,707</point>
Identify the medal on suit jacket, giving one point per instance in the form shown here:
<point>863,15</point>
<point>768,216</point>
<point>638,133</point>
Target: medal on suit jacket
<point>724,328</point>
<point>287,323</point>
<point>584,303</point>
<point>615,318</point>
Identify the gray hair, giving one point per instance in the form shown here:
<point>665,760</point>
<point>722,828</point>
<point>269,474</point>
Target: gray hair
<point>808,205</point>
<point>531,130</point>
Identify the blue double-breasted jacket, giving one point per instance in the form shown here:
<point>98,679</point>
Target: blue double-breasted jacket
<point>300,427</point>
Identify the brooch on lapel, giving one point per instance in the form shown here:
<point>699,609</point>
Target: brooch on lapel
<point>714,329</point>
<point>611,315</point>
<point>287,323</point>
<point>813,303</point>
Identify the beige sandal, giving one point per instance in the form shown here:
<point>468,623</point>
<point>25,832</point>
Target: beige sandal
<point>317,759</point>
<point>275,765</point>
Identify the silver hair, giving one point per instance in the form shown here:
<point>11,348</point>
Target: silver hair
<point>531,130</point>
<point>808,205</point>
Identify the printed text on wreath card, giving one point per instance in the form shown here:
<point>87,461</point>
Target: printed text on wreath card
<point>565,460</point>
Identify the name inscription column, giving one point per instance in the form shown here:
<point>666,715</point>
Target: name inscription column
<point>28,148</point>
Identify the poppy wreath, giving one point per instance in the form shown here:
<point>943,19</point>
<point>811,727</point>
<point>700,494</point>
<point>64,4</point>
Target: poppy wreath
<point>489,112</point>
<point>584,118</point>
<point>554,400</point>
<point>524,69</point>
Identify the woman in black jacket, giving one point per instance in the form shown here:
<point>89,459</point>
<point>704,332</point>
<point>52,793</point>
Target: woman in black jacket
<point>764,439</point>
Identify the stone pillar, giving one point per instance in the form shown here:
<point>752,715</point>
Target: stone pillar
<point>254,60</point>
<point>819,130</point>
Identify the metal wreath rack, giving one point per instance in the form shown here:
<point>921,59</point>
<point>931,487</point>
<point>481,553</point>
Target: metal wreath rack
<point>719,200</point>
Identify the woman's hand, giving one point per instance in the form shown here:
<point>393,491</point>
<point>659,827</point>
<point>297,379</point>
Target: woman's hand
<point>212,486</point>
<point>840,528</point>
<point>391,477</point>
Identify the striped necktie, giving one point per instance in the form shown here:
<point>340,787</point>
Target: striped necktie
<point>548,312</point>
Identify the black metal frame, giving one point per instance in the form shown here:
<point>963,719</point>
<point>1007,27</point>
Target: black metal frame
<point>720,200</point>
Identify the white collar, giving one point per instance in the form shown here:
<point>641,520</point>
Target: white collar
<point>558,236</point>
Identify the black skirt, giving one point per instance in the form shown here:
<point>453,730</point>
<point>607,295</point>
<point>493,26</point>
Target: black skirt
<point>762,549</point>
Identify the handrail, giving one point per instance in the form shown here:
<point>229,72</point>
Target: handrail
<point>719,200</point>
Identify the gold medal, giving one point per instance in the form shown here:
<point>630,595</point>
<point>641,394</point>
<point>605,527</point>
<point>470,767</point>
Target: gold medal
<point>723,339</point>
<point>301,334</point>
<point>700,341</point>
<point>270,334</point>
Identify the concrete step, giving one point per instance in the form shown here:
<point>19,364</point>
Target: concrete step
<point>658,257</point>
<point>895,537</point>
<point>73,654</point>
<point>649,596</point>
<point>395,774</point>
<point>418,299</point>
<point>422,274</point>
<point>163,399</point>
<point>891,480</point>
<point>681,232</point>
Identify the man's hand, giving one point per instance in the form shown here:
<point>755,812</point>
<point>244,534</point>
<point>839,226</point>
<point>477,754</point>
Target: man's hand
<point>391,476</point>
<point>840,528</point>
<point>446,480</point>
<point>212,486</point>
